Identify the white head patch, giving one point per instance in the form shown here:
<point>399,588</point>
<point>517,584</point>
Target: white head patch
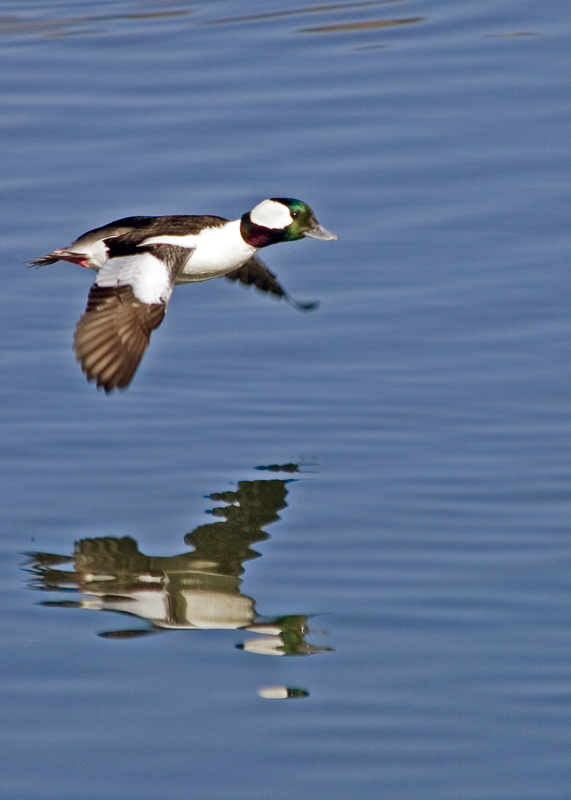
<point>270,214</point>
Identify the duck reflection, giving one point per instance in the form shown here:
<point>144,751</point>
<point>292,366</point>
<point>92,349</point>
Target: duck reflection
<point>193,590</point>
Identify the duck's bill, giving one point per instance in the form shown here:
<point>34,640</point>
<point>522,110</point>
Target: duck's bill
<point>317,231</point>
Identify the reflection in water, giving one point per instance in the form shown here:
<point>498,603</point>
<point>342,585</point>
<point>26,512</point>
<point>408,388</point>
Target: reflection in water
<point>281,692</point>
<point>13,24</point>
<point>362,26</point>
<point>512,35</point>
<point>294,12</point>
<point>193,590</point>
<point>280,468</point>
<point>17,24</point>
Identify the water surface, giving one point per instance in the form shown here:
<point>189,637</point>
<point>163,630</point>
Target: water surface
<point>423,535</point>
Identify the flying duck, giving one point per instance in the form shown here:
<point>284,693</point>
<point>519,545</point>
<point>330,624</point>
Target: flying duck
<point>138,260</point>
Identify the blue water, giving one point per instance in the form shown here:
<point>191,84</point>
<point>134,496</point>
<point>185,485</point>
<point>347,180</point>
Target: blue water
<point>412,571</point>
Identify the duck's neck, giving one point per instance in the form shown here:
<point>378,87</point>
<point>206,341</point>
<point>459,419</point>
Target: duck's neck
<point>257,236</point>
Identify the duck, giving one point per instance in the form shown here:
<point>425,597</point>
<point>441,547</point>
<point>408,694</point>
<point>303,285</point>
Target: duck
<point>139,260</point>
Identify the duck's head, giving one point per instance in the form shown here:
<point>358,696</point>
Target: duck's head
<point>281,219</point>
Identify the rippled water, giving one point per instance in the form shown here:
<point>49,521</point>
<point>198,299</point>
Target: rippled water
<point>407,537</point>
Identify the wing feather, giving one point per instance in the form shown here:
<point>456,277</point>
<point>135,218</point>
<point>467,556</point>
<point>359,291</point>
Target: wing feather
<point>125,305</point>
<point>113,333</point>
<point>255,273</point>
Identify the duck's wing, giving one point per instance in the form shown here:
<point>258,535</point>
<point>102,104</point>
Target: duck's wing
<point>126,303</point>
<point>255,273</point>
<point>112,335</point>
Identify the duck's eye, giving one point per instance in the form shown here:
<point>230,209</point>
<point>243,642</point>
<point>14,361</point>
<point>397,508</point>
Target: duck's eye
<point>294,214</point>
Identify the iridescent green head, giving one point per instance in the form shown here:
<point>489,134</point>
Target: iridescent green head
<point>281,219</point>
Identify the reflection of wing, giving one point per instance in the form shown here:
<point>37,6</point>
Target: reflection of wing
<point>254,272</point>
<point>126,303</point>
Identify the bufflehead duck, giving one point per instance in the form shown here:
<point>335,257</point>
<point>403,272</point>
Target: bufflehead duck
<point>138,260</point>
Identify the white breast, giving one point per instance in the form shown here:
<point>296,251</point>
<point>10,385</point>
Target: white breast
<point>216,251</point>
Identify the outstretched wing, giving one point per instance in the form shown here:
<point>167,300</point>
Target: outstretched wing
<point>113,333</point>
<point>255,273</point>
<point>126,303</point>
